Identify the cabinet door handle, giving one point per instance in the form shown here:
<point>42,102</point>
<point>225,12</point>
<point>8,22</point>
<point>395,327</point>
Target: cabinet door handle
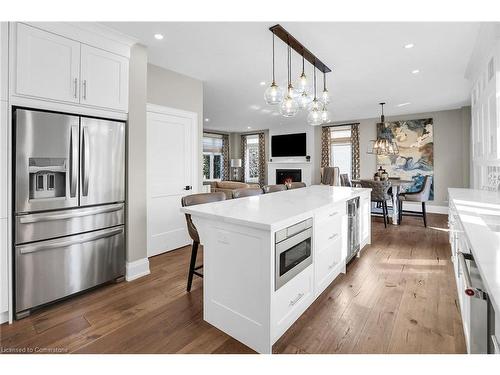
<point>333,236</point>
<point>75,84</point>
<point>333,214</point>
<point>85,89</point>
<point>297,299</point>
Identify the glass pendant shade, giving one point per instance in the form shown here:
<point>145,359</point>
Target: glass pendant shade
<point>303,82</point>
<point>304,100</point>
<point>325,97</point>
<point>325,115</point>
<point>289,107</point>
<point>273,94</point>
<point>314,117</point>
<point>315,105</point>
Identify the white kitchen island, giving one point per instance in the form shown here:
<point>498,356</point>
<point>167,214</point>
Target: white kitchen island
<point>240,295</point>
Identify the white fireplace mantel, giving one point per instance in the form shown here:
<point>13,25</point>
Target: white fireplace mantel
<point>304,166</point>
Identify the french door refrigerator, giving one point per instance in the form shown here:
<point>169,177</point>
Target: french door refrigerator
<point>69,204</point>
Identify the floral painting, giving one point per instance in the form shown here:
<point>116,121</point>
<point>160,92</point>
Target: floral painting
<point>416,152</point>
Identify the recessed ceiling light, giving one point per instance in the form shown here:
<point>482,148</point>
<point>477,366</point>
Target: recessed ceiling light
<point>249,127</point>
<point>403,104</point>
<point>262,83</point>
<point>415,71</point>
<point>207,119</point>
<point>158,36</point>
<point>255,107</point>
<point>409,45</point>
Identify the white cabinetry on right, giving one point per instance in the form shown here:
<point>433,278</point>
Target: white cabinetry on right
<point>52,67</point>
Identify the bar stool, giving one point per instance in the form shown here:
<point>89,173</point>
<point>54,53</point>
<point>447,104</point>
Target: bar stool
<point>296,185</point>
<point>246,192</point>
<point>273,188</point>
<point>191,200</point>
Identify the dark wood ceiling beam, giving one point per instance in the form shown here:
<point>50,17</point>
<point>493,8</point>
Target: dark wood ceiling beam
<point>298,47</point>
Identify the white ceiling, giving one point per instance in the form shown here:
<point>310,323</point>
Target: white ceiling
<point>368,61</point>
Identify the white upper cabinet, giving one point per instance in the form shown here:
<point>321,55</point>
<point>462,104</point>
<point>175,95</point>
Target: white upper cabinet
<point>4,48</point>
<point>104,78</point>
<point>60,65</point>
<point>47,65</point>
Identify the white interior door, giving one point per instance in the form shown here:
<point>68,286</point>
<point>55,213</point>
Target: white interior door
<point>172,165</point>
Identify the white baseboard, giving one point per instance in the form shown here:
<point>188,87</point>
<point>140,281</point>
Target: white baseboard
<point>428,207</point>
<point>136,269</point>
<point>4,317</point>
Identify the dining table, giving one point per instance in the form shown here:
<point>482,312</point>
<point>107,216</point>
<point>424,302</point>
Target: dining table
<point>397,186</point>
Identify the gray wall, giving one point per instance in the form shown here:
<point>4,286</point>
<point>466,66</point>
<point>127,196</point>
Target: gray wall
<point>171,89</point>
<point>451,148</point>
<point>136,148</point>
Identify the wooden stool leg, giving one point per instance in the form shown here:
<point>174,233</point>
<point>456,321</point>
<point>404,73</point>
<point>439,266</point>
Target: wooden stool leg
<point>192,265</point>
<point>424,214</point>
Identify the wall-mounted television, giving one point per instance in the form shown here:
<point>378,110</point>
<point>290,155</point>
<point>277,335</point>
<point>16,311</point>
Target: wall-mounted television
<point>287,145</point>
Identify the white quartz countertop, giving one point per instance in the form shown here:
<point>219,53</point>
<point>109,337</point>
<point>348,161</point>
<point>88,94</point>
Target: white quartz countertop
<point>477,209</point>
<point>274,210</point>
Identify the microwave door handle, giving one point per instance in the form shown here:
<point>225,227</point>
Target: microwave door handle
<point>73,167</point>
<point>469,289</point>
<point>86,161</point>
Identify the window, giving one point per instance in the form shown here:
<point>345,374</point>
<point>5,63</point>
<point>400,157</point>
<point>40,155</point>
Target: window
<point>252,159</point>
<point>212,157</point>
<point>341,149</point>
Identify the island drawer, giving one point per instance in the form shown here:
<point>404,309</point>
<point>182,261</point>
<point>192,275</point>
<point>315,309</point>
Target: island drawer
<point>327,263</point>
<point>291,300</point>
<point>328,231</point>
<point>330,213</point>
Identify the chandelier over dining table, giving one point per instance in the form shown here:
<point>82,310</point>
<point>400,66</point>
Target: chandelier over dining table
<point>291,99</point>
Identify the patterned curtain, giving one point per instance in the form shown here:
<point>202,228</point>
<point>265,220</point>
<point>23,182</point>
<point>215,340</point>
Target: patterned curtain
<point>355,151</point>
<point>225,157</point>
<point>325,146</point>
<point>262,159</point>
<point>243,150</point>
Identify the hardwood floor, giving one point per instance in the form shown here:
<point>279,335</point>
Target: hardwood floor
<point>398,297</point>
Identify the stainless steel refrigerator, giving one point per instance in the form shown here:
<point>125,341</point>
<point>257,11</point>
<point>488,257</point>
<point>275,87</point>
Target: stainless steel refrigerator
<point>69,203</point>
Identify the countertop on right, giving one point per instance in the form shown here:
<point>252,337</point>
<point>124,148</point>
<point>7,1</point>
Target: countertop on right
<point>479,213</point>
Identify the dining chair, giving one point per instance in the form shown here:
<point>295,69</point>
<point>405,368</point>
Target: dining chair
<point>330,176</point>
<point>191,200</point>
<point>296,185</point>
<point>421,196</point>
<point>344,180</point>
<point>380,195</point>
<point>273,188</point>
<point>246,192</point>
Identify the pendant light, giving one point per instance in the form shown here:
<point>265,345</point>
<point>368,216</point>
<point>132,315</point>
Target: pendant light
<point>289,106</point>
<point>384,144</point>
<point>314,116</point>
<point>305,98</point>
<point>274,94</point>
<point>325,96</point>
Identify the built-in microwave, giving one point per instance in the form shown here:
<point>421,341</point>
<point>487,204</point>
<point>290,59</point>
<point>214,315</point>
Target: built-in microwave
<point>293,251</point>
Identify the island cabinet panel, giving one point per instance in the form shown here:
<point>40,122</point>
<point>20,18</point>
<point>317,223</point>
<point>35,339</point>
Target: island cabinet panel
<point>236,281</point>
<point>364,206</point>
<point>291,300</point>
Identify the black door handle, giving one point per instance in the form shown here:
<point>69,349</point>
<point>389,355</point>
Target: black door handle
<point>188,187</point>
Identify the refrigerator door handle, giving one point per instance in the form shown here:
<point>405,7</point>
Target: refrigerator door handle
<point>86,161</point>
<point>36,218</point>
<point>55,245</point>
<point>73,168</point>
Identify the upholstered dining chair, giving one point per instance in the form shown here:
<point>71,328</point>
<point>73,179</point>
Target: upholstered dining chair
<point>421,196</point>
<point>191,200</point>
<point>344,180</point>
<point>296,185</point>
<point>273,188</point>
<point>379,195</point>
<point>246,192</point>
<point>330,176</point>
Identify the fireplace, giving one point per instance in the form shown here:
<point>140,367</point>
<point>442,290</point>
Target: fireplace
<point>286,176</point>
